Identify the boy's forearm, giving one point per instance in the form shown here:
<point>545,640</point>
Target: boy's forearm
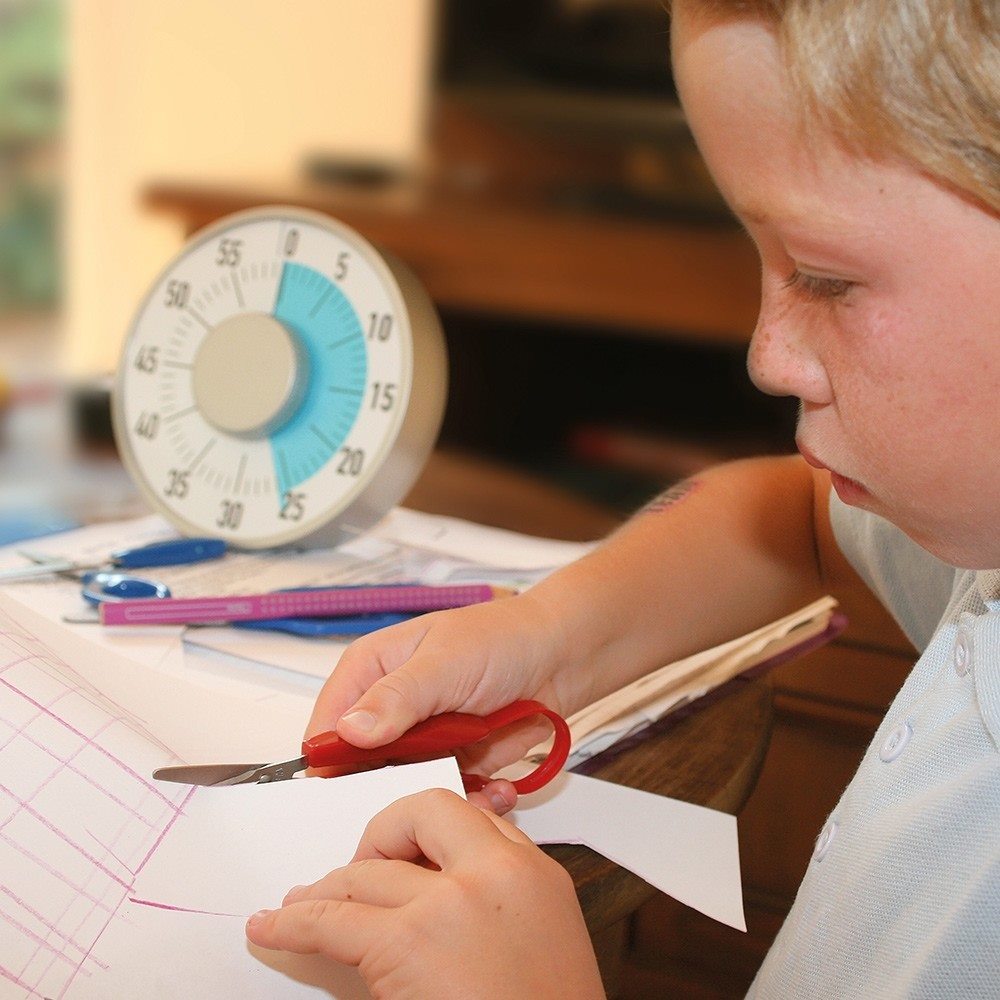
<point>719,555</point>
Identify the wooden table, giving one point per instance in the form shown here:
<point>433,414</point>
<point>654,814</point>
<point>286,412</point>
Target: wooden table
<point>710,754</point>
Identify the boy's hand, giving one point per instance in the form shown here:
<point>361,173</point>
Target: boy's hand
<point>474,659</point>
<point>442,899</point>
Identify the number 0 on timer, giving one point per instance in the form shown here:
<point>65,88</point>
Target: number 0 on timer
<point>283,382</point>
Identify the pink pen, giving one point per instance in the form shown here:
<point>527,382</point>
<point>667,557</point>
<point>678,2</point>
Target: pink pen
<point>321,603</point>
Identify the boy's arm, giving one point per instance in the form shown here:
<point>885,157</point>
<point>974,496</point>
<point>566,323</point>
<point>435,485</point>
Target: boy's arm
<point>716,556</point>
<point>724,553</point>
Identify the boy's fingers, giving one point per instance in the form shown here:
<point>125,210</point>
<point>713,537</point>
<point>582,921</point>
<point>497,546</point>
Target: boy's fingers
<point>363,663</point>
<point>344,931</point>
<point>391,706</point>
<point>436,824</point>
<point>498,797</point>
<point>504,747</point>
<point>374,882</point>
<point>511,832</point>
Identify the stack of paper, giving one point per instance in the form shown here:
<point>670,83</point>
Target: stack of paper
<point>630,709</point>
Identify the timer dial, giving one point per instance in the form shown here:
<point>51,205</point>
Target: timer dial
<point>283,382</point>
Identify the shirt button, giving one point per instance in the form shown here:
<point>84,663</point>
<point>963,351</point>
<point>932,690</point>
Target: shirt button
<point>825,839</point>
<point>963,653</point>
<point>896,742</point>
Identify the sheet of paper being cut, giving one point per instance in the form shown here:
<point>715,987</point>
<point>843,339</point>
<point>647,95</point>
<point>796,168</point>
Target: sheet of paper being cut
<point>686,851</point>
<point>113,885</point>
<point>233,851</point>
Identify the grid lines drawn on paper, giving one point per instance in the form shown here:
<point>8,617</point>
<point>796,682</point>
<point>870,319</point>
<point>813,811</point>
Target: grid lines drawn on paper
<point>78,817</point>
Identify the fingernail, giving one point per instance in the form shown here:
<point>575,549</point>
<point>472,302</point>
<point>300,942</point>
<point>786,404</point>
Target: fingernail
<point>363,722</point>
<point>257,917</point>
<point>499,803</point>
<point>293,894</point>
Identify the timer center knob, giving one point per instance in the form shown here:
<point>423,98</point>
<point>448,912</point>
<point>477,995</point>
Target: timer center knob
<point>250,374</point>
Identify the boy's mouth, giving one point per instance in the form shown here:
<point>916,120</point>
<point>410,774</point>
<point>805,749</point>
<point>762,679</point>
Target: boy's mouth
<point>810,458</point>
<point>849,490</point>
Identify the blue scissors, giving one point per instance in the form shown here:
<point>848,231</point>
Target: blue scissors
<point>110,585</point>
<point>173,552</point>
<point>101,584</point>
<point>105,585</point>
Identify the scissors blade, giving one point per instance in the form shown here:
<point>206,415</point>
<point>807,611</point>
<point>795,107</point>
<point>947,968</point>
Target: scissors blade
<point>206,774</point>
<point>49,568</point>
<point>231,774</point>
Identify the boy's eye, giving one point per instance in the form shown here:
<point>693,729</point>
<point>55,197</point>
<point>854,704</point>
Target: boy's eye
<point>819,289</point>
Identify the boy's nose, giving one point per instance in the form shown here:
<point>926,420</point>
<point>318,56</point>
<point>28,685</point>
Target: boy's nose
<point>782,362</point>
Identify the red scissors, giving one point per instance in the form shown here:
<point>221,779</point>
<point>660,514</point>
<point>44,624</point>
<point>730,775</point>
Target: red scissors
<point>439,736</point>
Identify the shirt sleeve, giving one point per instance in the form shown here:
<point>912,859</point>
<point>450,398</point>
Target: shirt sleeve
<point>915,586</point>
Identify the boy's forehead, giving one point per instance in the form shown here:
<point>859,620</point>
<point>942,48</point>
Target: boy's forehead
<point>772,169</point>
<point>736,97</point>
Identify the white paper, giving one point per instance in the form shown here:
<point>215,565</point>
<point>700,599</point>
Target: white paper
<point>198,716</point>
<point>314,656</point>
<point>100,866</point>
<point>684,850</point>
<point>478,543</point>
<point>53,597</point>
<point>233,851</point>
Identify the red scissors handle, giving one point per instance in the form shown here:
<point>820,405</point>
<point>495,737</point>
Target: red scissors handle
<point>441,736</point>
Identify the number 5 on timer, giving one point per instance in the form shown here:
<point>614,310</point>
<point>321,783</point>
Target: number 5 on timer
<point>282,382</point>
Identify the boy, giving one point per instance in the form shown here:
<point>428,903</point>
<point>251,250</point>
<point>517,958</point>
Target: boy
<point>858,143</point>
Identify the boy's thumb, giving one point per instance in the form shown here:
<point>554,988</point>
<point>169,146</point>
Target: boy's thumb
<point>386,710</point>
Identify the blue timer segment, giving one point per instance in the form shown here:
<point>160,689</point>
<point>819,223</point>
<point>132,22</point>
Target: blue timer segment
<point>317,312</point>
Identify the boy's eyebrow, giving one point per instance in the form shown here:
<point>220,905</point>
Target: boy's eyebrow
<point>813,218</point>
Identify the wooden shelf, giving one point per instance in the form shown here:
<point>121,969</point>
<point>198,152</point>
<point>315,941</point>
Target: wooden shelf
<point>514,258</point>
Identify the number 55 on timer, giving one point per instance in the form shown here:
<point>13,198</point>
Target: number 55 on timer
<point>282,382</point>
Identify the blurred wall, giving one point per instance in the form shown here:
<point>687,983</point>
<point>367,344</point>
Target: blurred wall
<point>229,92</point>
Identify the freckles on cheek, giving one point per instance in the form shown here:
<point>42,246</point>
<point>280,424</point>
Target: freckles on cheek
<point>900,366</point>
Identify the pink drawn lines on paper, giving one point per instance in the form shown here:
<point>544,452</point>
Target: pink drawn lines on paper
<point>183,909</point>
<point>50,940</point>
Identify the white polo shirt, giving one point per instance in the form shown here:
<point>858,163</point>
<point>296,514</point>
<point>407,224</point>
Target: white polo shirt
<point>902,895</point>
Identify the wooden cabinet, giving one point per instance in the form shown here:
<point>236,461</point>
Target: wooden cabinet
<point>515,259</point>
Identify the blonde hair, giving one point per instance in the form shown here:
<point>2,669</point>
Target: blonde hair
<point>915,78</point>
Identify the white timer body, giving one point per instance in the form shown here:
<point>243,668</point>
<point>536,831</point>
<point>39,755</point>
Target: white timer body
<point>282,383</point>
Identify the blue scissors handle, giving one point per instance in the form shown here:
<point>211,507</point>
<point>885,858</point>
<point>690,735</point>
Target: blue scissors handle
<point>106,586</point>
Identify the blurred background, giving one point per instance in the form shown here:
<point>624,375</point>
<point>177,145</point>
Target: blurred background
<point>529,160</point>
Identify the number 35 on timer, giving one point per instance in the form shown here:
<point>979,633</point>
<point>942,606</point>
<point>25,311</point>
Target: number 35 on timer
<point>282,382</point>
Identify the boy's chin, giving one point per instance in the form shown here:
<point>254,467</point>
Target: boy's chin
<point>966,550</point>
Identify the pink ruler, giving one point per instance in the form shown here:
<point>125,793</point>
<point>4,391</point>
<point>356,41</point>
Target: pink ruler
<point>324,603</point>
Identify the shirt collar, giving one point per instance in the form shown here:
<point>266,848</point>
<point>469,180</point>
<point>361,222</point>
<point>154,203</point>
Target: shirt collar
<point>988,582</point>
